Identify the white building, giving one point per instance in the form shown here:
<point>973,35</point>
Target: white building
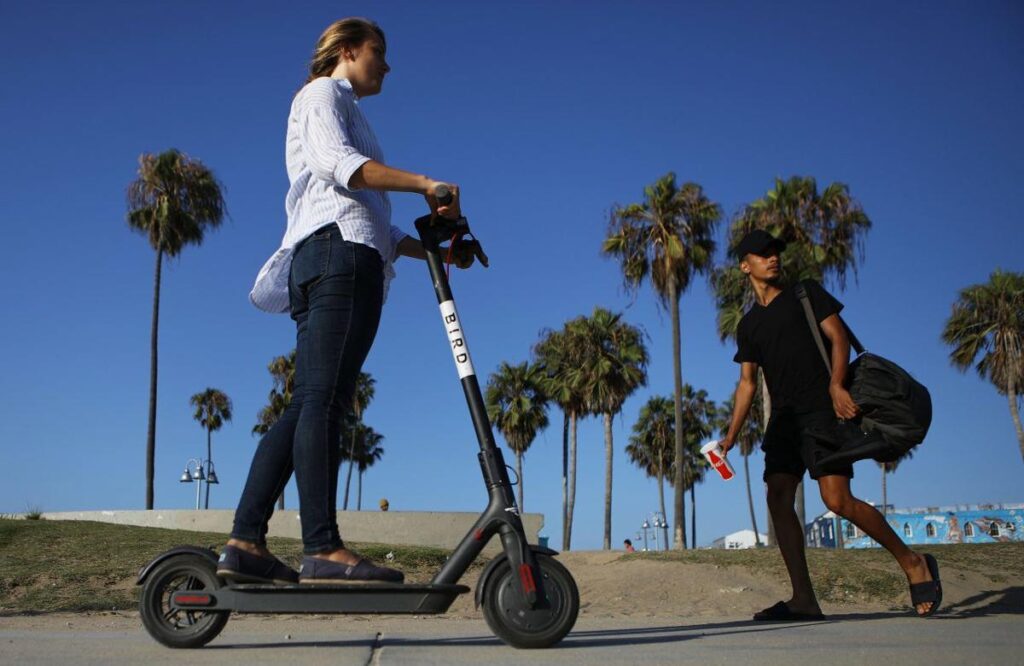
<point>738,540</point>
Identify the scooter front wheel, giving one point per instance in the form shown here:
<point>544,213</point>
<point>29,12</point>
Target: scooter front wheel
<point>513,621</point>
<point>178,627</point>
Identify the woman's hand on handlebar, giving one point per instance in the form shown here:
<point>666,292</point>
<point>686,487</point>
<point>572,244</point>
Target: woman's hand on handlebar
<point>453,209</point>
<point>464,251</point>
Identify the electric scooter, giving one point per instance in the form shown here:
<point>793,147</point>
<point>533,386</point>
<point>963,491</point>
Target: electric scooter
<point>528,598</point>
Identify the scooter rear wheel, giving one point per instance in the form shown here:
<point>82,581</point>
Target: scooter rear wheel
<point>511,620</point>
<point>175,627</point>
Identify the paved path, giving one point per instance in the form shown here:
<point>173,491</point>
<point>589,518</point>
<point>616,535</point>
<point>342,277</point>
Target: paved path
<point>852,638</point>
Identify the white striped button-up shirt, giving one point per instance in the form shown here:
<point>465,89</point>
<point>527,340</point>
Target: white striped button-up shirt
<point>328,140</point>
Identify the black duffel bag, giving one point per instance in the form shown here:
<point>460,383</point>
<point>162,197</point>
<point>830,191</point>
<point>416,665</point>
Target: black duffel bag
<point>896,409</point>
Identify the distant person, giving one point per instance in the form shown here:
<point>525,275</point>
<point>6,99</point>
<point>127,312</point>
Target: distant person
<point>629,546</point>
<point>384,505</point>
<point>331,274</point>
<point>774,335</point>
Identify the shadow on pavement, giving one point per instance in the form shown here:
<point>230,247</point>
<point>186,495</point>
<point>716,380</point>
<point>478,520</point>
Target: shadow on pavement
<point>984,604</point>
<point>576,639</point>
<point>993,602</point>
<point>996,602</point>
<point>672,634</point>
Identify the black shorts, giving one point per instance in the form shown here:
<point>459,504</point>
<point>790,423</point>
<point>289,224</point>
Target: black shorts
<point>789,449</point>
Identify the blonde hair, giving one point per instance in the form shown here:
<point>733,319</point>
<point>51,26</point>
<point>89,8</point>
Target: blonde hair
<point>346,33</point>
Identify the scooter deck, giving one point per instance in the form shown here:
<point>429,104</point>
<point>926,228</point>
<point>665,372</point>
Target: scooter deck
<point>420,599</point>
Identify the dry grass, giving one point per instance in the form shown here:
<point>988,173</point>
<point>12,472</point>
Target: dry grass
<point>867,575</point>
<point>50,566</point>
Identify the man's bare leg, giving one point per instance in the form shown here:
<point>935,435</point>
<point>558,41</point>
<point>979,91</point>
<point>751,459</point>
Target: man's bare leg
<point>835,492</point>
<point>790,535</point>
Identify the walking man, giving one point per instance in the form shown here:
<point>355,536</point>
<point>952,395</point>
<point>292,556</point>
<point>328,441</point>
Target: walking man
<point>775,337</point>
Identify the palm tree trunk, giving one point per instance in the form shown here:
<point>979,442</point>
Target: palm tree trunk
<point>661,497</point>
<point>572,479</point>
<point>693,515</point>
<point>679,508</point>
<point>151,432</point>
<point>565,479</point>
<point>608,481</point>
<point>359,497</point>
<point>682,525</point>
<point>750,501</point>
<point>766,413</point>
<point>519,475</point>
<point>209,466</point>
<point>351,456</point>
<point>885,492</point>
<point>1011,396</point>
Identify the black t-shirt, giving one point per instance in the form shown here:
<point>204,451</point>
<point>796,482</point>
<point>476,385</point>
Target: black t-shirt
<point>778,339</point>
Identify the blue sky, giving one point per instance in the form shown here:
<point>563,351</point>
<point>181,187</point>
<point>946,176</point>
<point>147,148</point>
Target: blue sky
<point>546,114</point>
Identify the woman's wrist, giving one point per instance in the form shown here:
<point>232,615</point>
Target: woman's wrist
<point>429,185</point>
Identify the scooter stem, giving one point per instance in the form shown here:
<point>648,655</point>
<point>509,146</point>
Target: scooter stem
<point>502,514</point>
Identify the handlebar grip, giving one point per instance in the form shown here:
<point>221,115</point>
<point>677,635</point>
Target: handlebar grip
<point>443,195</point>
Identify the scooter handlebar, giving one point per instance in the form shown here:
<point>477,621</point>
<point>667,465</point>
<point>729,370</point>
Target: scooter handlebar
<point>443,194</point>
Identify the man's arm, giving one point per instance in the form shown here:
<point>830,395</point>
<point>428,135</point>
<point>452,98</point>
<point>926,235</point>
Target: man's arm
<point>842,402</point>
<point>742,400</point>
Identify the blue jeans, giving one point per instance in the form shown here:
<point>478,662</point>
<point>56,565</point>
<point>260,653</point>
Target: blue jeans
<point>336,293</point>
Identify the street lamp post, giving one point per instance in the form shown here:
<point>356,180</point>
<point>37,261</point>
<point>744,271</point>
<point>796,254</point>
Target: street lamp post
<point>659,528</point>
<point>194,472</point>
<point>659,521</point>
<point>211,480</point>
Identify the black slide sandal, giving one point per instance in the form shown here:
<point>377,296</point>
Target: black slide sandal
<point>780,612</point>
<point>928,591</point>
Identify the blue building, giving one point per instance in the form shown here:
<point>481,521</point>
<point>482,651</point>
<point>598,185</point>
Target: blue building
<point>963,523</point>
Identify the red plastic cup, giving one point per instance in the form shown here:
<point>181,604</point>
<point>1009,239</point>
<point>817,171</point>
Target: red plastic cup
<point>713,454</point>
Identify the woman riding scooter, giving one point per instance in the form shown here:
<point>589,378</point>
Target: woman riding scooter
<point>331,274</point>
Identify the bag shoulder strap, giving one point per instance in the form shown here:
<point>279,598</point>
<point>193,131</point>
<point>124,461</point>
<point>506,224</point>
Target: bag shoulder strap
<point>801,293</point>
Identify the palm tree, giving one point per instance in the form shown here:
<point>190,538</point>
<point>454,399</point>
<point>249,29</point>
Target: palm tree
<point>694,472</point>
<point>557,354</point>
<point>986,330</point>
<point>669,237</point>
<point>174,201</point>
<point>824,232</point>
<point>517,407</point>
<point>652,445</point>
<point>747,440</point>
<point>614,365</point>
<point>364,443</point>
<point>282,369</point>
<point>213,408</point>
<point>361,397</point>
<point>698,422</point>
<point>889,468</point>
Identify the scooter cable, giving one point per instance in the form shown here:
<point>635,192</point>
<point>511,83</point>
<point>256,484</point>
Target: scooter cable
<point>448,260</point>
<point>457,237</point>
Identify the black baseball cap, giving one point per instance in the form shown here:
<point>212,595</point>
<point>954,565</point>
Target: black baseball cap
<point>757,242</point>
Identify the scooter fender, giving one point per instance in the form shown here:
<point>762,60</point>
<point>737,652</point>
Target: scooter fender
<point>493,564</point>
<point>177,550</point>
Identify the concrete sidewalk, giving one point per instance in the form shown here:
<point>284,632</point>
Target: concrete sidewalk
<point>853,638</point>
